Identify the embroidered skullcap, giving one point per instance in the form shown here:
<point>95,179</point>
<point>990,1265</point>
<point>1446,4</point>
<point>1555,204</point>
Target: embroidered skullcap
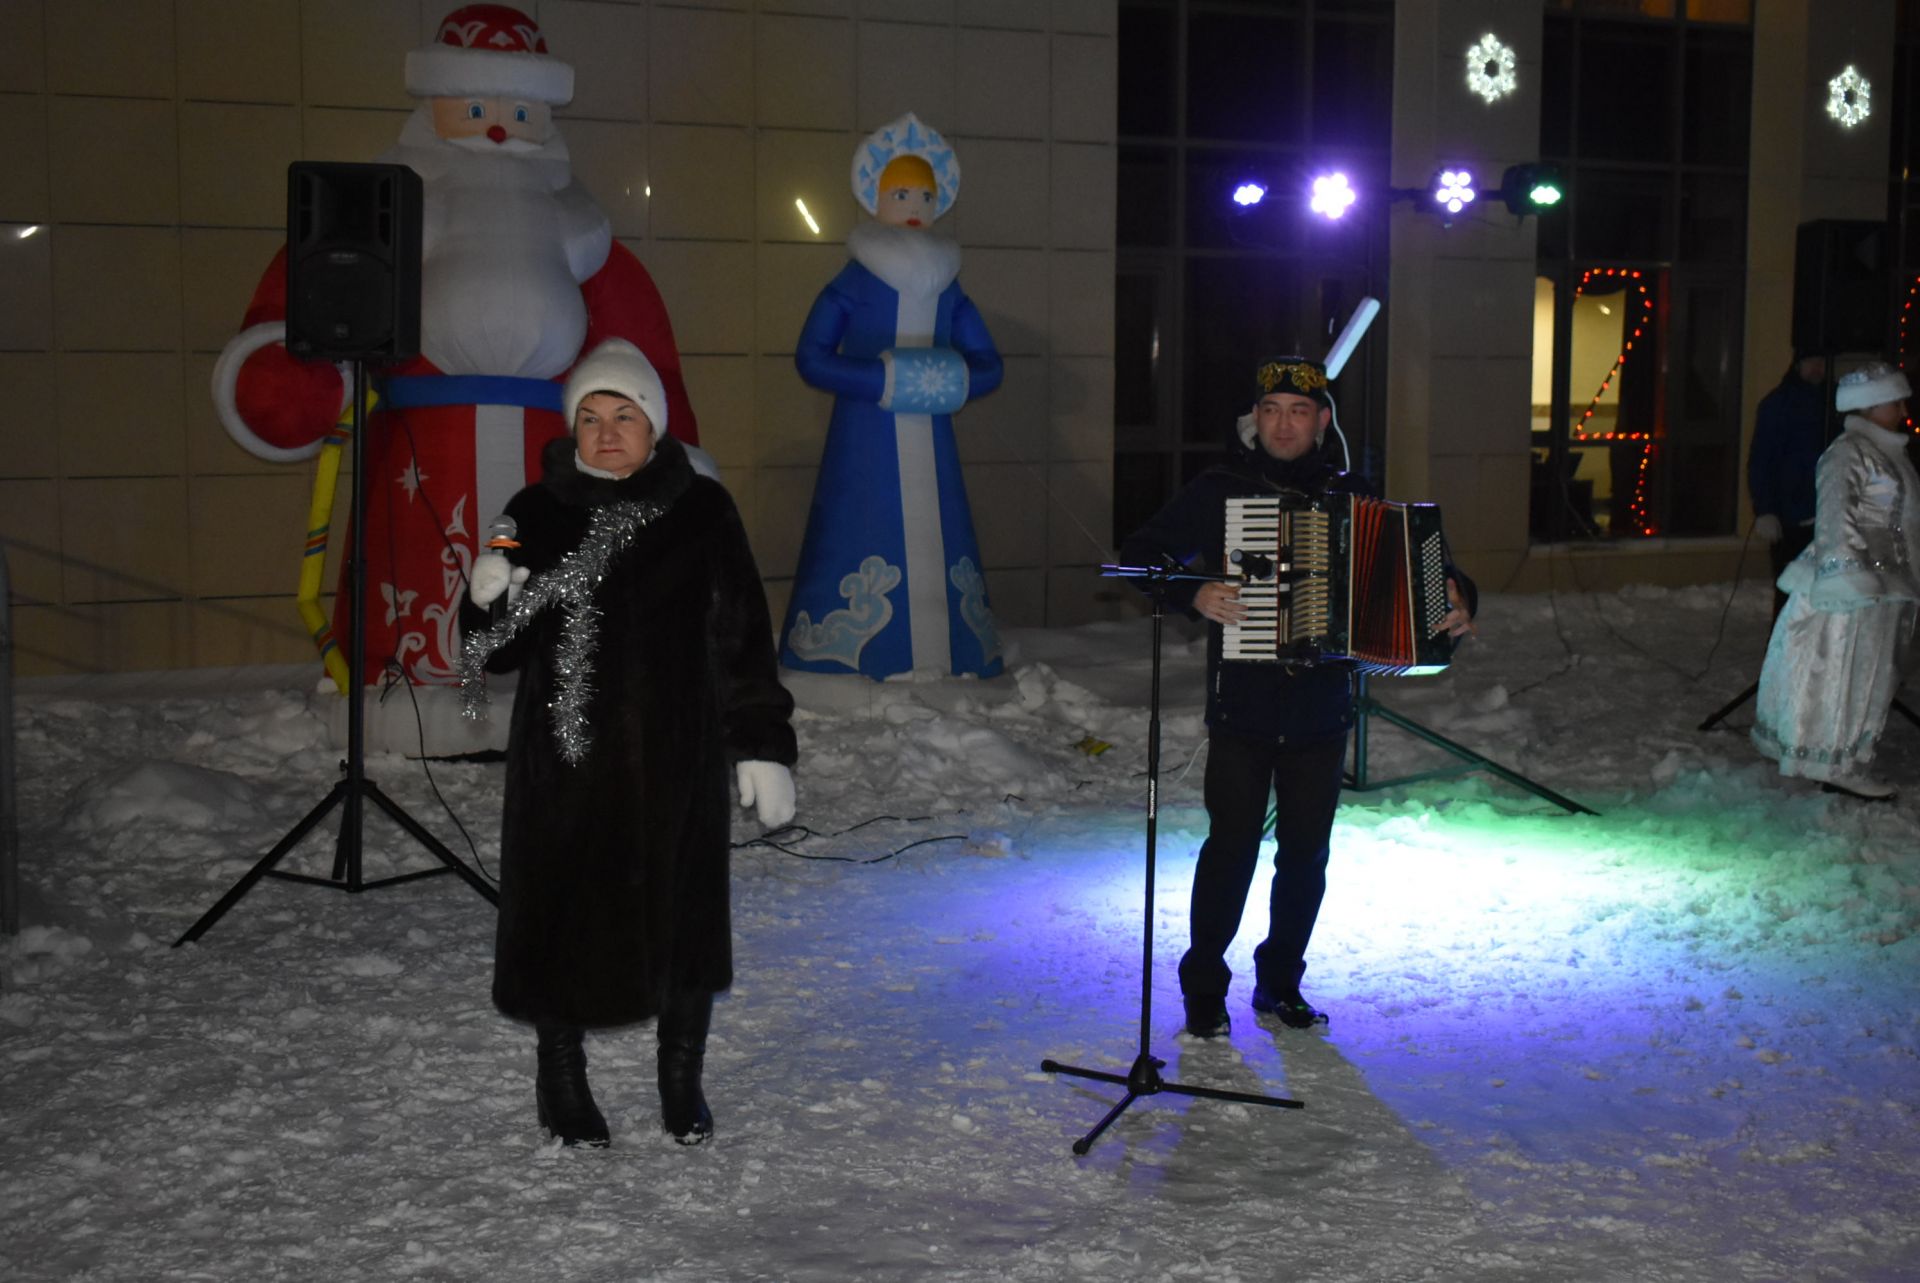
<point>1297,375</point>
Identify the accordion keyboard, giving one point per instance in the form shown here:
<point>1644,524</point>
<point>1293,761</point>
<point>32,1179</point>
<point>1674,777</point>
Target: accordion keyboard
<point>1295,541</point>
<point>1253,526</point>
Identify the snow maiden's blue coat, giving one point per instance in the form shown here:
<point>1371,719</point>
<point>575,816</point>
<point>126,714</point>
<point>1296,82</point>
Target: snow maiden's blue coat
<point>889,579</point>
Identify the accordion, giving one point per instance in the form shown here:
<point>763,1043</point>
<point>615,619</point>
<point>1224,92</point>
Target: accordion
<point>1342,577</point>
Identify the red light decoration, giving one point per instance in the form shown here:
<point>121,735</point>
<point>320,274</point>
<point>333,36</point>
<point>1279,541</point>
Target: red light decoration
<point>1637,513</point>
<point>1906,332</point>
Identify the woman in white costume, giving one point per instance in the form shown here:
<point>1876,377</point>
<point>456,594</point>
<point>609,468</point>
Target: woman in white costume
<point>1839,648</point>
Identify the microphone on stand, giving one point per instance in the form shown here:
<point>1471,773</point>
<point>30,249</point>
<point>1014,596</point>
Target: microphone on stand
<point>502,534</point>
<point>1253,564</point>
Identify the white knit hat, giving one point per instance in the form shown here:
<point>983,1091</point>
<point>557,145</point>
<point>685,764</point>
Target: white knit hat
<point>1871,385</point>
<point>489,51</point>
<point>619,367</point>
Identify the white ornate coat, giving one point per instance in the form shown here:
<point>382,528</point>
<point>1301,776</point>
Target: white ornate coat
<point>1840,646</point>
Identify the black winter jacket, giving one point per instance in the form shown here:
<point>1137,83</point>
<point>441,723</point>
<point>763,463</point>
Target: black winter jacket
<point>1789,435</point>
<point>614,871</point>
<point>1275,703</point>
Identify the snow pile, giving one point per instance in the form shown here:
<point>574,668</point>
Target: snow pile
<point>162,796</point>
<point>1678,1039</point>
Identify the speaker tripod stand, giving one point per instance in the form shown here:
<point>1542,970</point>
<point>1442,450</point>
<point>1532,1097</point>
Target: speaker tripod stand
<point>354,789</point>
<point>1366,707</point>
<point>1144,1079</point>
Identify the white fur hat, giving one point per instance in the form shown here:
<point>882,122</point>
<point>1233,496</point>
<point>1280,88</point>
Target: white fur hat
<point>488,51</point>
<point>1871,385</point>
<point>618,366</point>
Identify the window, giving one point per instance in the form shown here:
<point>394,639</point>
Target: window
<point>1638,315</point>
<point>1904,182</point>
<point>1214,93</point>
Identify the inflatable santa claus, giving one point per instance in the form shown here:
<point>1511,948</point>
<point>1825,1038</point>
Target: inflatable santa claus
<point>520,275</point>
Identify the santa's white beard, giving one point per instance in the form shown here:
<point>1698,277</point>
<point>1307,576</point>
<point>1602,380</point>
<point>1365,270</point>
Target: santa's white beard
<point>507,241</point>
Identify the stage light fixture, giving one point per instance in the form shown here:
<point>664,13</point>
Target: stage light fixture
<point>1248,194</point>
<point>1333,195</point>
<point>1453,189</point>
<point>1532,188</point>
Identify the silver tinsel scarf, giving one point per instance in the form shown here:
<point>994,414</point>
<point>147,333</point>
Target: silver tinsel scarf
<point>570,584</point>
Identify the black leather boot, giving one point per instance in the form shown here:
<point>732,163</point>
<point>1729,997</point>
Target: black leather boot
<point>561,1092</point>
<point>683,1049</point>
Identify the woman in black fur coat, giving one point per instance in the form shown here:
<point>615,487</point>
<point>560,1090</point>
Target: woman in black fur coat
<point>640,626</point>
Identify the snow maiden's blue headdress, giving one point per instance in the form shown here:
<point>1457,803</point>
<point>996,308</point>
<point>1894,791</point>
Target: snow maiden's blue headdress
<point>905,137</point>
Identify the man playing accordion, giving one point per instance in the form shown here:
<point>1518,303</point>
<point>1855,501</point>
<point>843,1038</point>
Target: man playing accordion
<point>1274,730</point>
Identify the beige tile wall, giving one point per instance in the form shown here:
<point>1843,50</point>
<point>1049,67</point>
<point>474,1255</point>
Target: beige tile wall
<point>1460,314</point>
<point>144,192</point>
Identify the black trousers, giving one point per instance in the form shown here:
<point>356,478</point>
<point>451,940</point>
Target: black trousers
<point>1305,782</point>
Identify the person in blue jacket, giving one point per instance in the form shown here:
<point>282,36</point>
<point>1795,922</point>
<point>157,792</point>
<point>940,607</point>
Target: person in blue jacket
<point>1274,730</point>
<point>1789,433</point>
<point>889,579</point>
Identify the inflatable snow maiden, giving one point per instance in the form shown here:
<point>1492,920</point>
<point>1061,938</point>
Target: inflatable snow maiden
<point>889,579</point>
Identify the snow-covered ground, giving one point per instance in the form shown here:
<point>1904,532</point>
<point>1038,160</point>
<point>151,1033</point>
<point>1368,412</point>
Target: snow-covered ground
<point>1676,1041</point>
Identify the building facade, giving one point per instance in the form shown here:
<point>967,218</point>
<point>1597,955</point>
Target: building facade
<point>1575,389</point>
<point>145,192</point>
<point>1574,385</point>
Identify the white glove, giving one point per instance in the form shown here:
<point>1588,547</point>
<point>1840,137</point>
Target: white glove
<point>493,574</point>
<point>1766,528</point>
<point>769,787</point>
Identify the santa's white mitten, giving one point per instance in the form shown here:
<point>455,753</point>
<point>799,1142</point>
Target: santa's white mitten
<point>1766,528</point>
<point>493,574</point>
<point>768,787</point>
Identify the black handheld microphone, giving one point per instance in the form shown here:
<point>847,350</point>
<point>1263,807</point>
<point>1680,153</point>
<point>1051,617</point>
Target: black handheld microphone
<point>502,534</point>
<point>1252,563</point>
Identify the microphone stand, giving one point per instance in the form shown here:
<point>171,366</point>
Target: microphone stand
<point>1144,1079</point>
<point>354,788</point>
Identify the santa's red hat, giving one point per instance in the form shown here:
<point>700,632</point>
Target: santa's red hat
<point>489,51</point>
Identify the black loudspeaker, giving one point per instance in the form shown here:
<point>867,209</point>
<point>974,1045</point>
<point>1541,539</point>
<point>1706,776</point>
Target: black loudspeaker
<point>353,262</point>
<point>1842,287</point>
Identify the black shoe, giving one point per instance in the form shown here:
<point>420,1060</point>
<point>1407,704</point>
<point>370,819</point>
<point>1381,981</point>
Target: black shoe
<point>1207,1015</point>
<point>1293,1011</point>
<point>560,1090</point>
<point>683,1052</point>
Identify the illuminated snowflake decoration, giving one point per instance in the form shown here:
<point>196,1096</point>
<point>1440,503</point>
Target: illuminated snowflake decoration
<point>1453,190</point>
<point>1490,69</point>
<point>1849,98</point>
